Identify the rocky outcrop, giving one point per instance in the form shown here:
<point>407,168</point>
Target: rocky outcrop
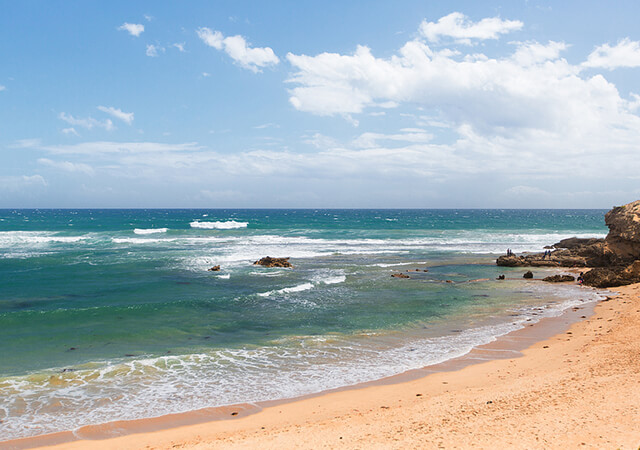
<point>214,269</point>
<point>273,262</point>
<point>528,274</point>
<point>602,277</point>
<point>559,278</point>
<point>400,275</point>
<point>557,259</point>
<point>623,239</point>
<point>615,259</point>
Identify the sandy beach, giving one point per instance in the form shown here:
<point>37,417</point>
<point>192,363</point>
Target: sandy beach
<point>579,388</point>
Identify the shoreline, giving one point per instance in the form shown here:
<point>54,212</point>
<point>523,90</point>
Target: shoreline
<point>132,433</point>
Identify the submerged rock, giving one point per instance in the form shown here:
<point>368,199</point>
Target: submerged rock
<point>214,269</point>
<point>399,275</point>
<point>273,262</point>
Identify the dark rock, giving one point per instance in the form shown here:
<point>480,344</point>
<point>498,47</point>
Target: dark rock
<point>214,269</point>
<point>273,262</point>
<point>559,278</point>
<point>602,277</point>
<point>575,242</point>
<point>400,275</point>
<point>500,277</point>
<point>511,261</point>
<point>528,274</point>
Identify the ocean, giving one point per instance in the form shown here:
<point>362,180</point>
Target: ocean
<point>112,314</point>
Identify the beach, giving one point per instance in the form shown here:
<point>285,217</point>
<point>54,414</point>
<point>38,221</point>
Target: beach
<point>576,389</point>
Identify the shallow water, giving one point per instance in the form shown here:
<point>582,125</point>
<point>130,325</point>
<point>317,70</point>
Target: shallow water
<point>112,314</point>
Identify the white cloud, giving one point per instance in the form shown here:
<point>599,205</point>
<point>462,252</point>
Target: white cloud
<point>18,183</point>
<point>319,140</point>
<point>252,58</point>
<point>67,166</point>
<point>179,46</point>
<point>134,29</point>
<point>152,50</point>
<point>532,89</point>
<point>147,17</point>
<point>2,88</point>
<point>371,140</point>
<point>88,123</point>
<point>266,125</point>
<point>213,39</point>
<point>26,143</point>
<point>524,191</point>
<point>97,148</point>
<point>70,130</point>
<point>458,26</point>
<point>206,74</point>
<point>625,53</point>
<point>117,113</point>
<point>530,53</point>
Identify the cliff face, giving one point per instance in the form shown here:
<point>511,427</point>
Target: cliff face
<point>623,239</point>
<point>616,259</point>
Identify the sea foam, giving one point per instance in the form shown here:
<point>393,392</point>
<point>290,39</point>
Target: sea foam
<point>150,230</point>
<point>289,290</point>
<point>228,225</point>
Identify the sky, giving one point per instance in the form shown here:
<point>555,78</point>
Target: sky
<point>301,104</point>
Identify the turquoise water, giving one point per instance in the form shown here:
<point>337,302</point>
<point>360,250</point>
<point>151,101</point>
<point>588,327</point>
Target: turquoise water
<point>112,314</point>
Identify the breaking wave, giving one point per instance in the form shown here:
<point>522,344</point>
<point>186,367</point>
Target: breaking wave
<point>228,225</point>
<point>150,230</point>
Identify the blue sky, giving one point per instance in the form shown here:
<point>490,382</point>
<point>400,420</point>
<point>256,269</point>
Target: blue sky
<point>366,104</point>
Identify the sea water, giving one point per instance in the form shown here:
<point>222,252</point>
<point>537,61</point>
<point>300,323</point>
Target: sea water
<point>112,314</point>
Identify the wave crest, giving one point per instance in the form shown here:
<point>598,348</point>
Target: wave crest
<point>149,230</point>
<point>228,225</point>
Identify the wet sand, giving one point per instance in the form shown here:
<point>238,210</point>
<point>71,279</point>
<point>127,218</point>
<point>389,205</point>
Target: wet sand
<point>575,388</point>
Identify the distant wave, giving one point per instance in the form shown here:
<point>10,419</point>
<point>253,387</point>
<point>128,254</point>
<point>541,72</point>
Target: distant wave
<point>334,280</point>
<point>149,230</point>
<point>228,225</point>
<point>299,288</point>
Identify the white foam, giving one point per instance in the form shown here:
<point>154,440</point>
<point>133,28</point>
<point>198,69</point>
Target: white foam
<point>149,230</point>
<point>335,280</point>
<point>400,264</point>
<point>329,276</point>
<point>289,290</point>
<point>228,225</point>
<point>19,238</point>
